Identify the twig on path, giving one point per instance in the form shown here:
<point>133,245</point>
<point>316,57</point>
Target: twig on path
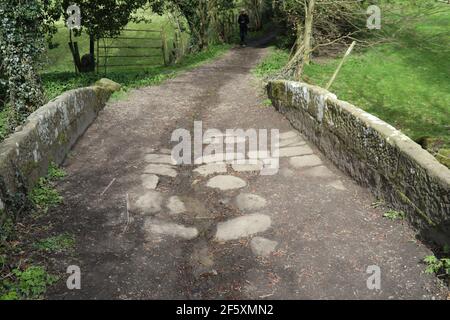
<point>266,295</point>
<point>128,215</point>
<point>109,186</point>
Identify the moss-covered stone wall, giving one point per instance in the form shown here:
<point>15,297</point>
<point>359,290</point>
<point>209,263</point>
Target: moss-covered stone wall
<point>374,153</point>
<point>49,133</point>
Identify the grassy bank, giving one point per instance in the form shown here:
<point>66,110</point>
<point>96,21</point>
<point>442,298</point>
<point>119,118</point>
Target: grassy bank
<point>56,83</point>
<point>29,247</point>
<point>404,83</point>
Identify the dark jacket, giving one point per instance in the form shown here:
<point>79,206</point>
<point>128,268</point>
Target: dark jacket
<point>243,21</point>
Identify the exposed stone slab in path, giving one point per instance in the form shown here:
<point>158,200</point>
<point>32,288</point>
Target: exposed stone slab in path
<point>226,183</point>
<point>262,246</point>
<point>289,134</point>
<point>169,229</point>
<point>160,158</point>
<point>290,142</point>
<point>242,227</point>
<point>287,173</point>
<point>295,151</point>
<point>223,157</point>
<point>212,168</point>
<point>150,181</point>
<point>297,144</point>
<point>248,167</point>
<point>165,151</point>
<point>261,154</point>
<point>320,172</point>
<point>338,185</point>
<point>176,205</point>
<point>161,169</point>
<point>224,138</point>
<point>150,202</point>
<point>250,202</point>
<point>305,161</point>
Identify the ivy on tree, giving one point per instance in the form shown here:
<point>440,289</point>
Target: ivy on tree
<point>22,30</point>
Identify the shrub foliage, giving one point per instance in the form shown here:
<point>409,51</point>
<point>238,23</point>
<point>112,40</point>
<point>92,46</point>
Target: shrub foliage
<point>22,34</point>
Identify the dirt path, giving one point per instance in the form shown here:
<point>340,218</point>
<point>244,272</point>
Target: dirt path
<point>308,232</point>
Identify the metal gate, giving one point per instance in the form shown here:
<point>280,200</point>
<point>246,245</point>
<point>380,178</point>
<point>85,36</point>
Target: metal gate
<point>148,48</point>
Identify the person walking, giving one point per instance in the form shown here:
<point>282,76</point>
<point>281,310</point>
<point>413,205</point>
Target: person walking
<point>243,21</point>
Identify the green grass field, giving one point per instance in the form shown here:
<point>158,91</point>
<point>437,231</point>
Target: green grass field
<point>59,59</point>
<point>404,83</point>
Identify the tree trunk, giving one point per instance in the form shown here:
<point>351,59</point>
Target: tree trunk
<point>302,53</point>
<point>258,9</point>
<point>85,63</point>
<point>308,31</point>
<point>307,37</point>
<point>92,46</point>
<point>299,41</point>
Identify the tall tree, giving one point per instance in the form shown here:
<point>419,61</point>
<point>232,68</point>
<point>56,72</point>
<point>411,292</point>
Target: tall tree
<point>316,23</point>
<point>307,37</point>
<point>200,16</point>
<point>104,18</point>
<point>256,11</point>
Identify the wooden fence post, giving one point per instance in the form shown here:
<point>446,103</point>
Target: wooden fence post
<point>349,50</point>
<point>164,45</point>
<point>98,55</point>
